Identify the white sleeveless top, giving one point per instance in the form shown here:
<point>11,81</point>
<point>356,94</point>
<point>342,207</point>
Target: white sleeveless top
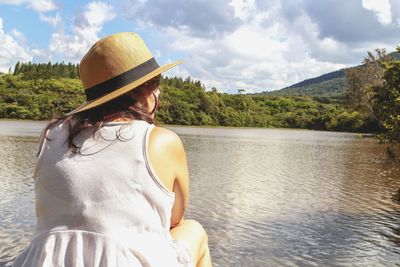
<point>104,206</point>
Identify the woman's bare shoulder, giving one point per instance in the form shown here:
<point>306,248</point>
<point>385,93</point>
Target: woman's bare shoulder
<point>165,138</point>
<point>167,156</point>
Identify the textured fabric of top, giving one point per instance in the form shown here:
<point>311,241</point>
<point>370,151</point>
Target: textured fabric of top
<point>102,207</point>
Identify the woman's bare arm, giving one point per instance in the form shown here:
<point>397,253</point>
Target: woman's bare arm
<point>168,159</point>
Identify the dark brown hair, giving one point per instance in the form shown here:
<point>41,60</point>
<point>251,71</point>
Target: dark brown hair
<point>132,106</point>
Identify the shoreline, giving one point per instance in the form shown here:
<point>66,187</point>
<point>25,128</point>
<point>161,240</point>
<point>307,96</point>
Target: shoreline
<point>362,135</point>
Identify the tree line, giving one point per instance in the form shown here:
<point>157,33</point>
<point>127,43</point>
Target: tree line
<point>46,70</point>
<point>40,91</point>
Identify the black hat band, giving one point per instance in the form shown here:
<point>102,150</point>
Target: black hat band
<point>121,80</point>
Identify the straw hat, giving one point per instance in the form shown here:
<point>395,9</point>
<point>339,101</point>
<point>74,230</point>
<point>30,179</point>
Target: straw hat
<point>114,66</point>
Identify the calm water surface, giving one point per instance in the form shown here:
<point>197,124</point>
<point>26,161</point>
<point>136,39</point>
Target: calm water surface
<point>266,197</point>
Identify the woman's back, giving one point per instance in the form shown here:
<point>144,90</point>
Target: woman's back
<point>106,206</point>
<point>108,193</point>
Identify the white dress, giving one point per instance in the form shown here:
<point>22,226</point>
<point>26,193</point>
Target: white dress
<point>103,207</point>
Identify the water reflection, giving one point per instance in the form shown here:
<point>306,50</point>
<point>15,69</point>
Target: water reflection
<point>293,199</point>
<point>266,197</point>
<point>17,159</point>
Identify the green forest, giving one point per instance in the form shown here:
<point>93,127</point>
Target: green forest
<point>32,93</point>
<point>41,91</point>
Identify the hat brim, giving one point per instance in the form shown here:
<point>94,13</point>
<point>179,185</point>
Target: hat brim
<point>125,89</point>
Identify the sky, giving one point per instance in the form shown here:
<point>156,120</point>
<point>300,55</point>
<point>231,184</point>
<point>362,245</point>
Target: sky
<point>255,45</point>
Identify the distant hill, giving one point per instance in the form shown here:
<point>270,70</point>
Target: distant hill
<point>327,85</point>
<point>332,84</point>
<point>323,78</point>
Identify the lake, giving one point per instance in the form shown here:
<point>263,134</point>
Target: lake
<point>267,197</point>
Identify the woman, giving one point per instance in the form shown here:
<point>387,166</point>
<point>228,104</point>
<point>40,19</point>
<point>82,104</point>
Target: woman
<point>111,188</point>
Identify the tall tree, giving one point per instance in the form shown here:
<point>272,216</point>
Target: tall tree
<point>362,79</point>
<point>386,101</point>
<point>17,68</point>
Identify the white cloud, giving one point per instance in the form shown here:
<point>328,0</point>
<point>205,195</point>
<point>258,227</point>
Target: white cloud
<point>87,26</point>
<point>198,18</point>
<point>262,54</point>
<point>41,6</point>
<point>65,44</point>
<point>243,9</point>
<point>381,8</point>
<point>55,21</point>
<point>13,2</point>
<point>11,50</point>
<point>19,36</point>
<point>325,49</point>
<point>89,23</point>
<point>229,65</point>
